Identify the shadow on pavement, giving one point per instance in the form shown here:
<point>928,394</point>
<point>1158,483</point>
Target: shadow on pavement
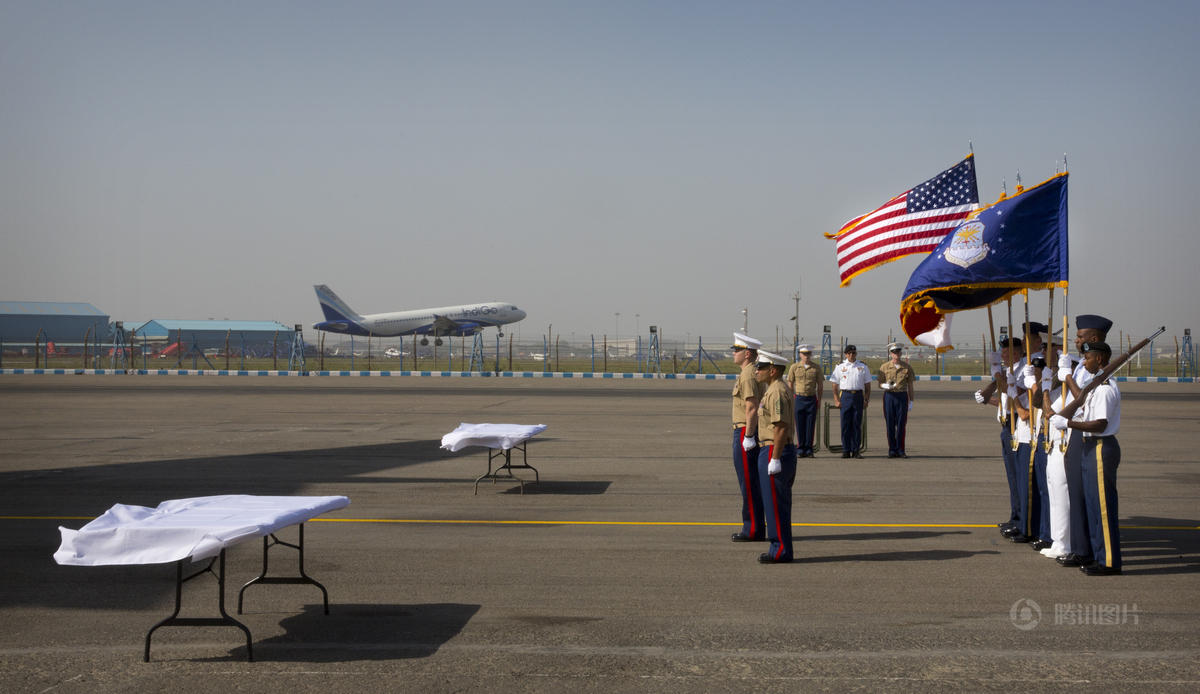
<point>1151,546</point>
<point>358,632</point>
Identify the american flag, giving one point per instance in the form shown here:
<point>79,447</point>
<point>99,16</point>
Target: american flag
<point>914,221</point>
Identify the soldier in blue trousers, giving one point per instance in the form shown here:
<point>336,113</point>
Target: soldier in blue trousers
<point>776,456</point>
<point>851,394</point>
<point>896,378</point>
<point>1100,422</point>
<point>1088,328</point>
<point>807,382</point>
<point>746,395</point>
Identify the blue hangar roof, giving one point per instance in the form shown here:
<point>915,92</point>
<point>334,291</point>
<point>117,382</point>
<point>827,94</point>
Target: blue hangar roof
<point>165,326</point>
<point>49,308</point>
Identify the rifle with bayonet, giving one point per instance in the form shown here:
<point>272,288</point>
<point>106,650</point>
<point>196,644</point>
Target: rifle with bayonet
<point>1113,365</point>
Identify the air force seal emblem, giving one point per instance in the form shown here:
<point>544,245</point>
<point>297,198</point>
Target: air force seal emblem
<point>967,246</point>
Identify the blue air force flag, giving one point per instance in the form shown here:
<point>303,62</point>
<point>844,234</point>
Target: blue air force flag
<point>1018,242</point>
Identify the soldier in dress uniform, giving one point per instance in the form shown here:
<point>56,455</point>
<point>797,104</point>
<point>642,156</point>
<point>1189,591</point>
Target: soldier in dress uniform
<point>1056,473</point>
<point>776,457</point>
<point>996,393</point>
<point>1030,382</point>
<point>851,394</point>
<point>747,393</point>
<point>896,378</point>
<point>1099,424</point>
<point>1088,328</point>
<point>1029,456</point>
<point>807,381</point>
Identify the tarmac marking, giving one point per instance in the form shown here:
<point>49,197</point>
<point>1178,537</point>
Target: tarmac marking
<point>709,524</point>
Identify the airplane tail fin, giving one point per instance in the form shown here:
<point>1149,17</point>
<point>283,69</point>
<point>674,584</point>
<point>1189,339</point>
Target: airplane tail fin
<point>333,307</point>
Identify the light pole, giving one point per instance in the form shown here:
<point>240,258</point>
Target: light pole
<point>746,320</point>
<point>796,317</point>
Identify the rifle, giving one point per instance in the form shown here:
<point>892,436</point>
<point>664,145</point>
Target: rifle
<point>1105,373</point>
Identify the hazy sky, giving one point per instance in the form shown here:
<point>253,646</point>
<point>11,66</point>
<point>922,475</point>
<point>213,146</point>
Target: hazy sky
<point>671,161</point>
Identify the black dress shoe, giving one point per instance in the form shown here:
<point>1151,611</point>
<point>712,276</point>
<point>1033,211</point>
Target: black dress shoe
<point>743,537</point>
<point>1010,531</point>
<point>1039,545</point>
<point>857,455</point>
<point>845,455</point>
<point>1095,569</point>
<point>903,455</point>
<point>893,455</point>
<point>1070,560</point>
<point>1020,539</point>
<point>765,558</point>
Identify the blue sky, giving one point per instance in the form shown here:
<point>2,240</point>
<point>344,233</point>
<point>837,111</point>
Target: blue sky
<point>673,161</point>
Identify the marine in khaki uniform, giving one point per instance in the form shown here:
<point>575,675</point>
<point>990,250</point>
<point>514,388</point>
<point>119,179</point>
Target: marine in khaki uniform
<point>776,456</point>
<point>896,379</point>
<point>807,381</point>
<point>746,395</point>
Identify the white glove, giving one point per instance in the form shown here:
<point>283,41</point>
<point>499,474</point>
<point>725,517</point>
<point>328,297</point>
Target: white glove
<point>774,467</point>
<point>1012,392</point>
<point>1063,373</point>
<point>1058,422</point>
<point>748,443</point>
<point>1028,377</point>
<point>885,386</point>
<point>1064,361</point>
<point>910,405</point>
<point>1054,406</point>
<point>979,397</point>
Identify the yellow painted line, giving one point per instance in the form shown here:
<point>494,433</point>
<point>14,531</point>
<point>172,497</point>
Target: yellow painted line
<point>433,521</point>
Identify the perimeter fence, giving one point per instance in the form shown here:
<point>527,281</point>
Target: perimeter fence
<point>599,353</point>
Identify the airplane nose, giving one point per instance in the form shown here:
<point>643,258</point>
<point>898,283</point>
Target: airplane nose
<point>520,314</point>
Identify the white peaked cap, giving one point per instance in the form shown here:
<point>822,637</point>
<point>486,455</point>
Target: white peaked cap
<point>740,340</point>
<point>765,357</point>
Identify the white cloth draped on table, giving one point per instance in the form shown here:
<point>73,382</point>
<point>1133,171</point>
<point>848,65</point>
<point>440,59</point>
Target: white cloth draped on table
<point>504,436</point>
<point>198,528</point>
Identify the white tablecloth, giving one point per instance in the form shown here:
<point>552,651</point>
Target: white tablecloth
<point>503,436</point>
<point>198,528</point>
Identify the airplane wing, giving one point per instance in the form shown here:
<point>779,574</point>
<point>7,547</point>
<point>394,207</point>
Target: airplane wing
<point>443,326</point>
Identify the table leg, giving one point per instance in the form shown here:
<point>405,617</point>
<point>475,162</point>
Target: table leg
<point>303,578</point>
<point>223,621</point>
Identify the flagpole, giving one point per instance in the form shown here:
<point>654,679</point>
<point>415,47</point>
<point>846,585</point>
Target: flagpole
<point>1032,420</point>
<point>991,327</point>
<point>1012,421</point>
<point>1047,352</point>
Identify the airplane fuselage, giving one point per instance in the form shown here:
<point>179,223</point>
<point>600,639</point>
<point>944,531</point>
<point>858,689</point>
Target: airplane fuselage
<point>471,318</point>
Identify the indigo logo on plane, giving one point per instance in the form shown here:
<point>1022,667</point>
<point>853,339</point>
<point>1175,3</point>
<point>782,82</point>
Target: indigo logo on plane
<point>480,311</point>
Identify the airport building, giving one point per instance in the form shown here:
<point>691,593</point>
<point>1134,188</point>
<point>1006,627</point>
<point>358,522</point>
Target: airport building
<point>63,323</point>
<point>251,338</point>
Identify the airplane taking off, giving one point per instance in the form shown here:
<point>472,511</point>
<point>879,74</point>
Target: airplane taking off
<point>465,319</point>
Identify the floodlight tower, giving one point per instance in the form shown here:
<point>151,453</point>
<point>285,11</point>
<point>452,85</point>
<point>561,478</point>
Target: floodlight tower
<point>296,358</point>
<point>827,349</point>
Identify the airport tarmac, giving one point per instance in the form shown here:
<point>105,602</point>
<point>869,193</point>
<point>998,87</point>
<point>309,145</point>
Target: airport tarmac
<point>614,573</point>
